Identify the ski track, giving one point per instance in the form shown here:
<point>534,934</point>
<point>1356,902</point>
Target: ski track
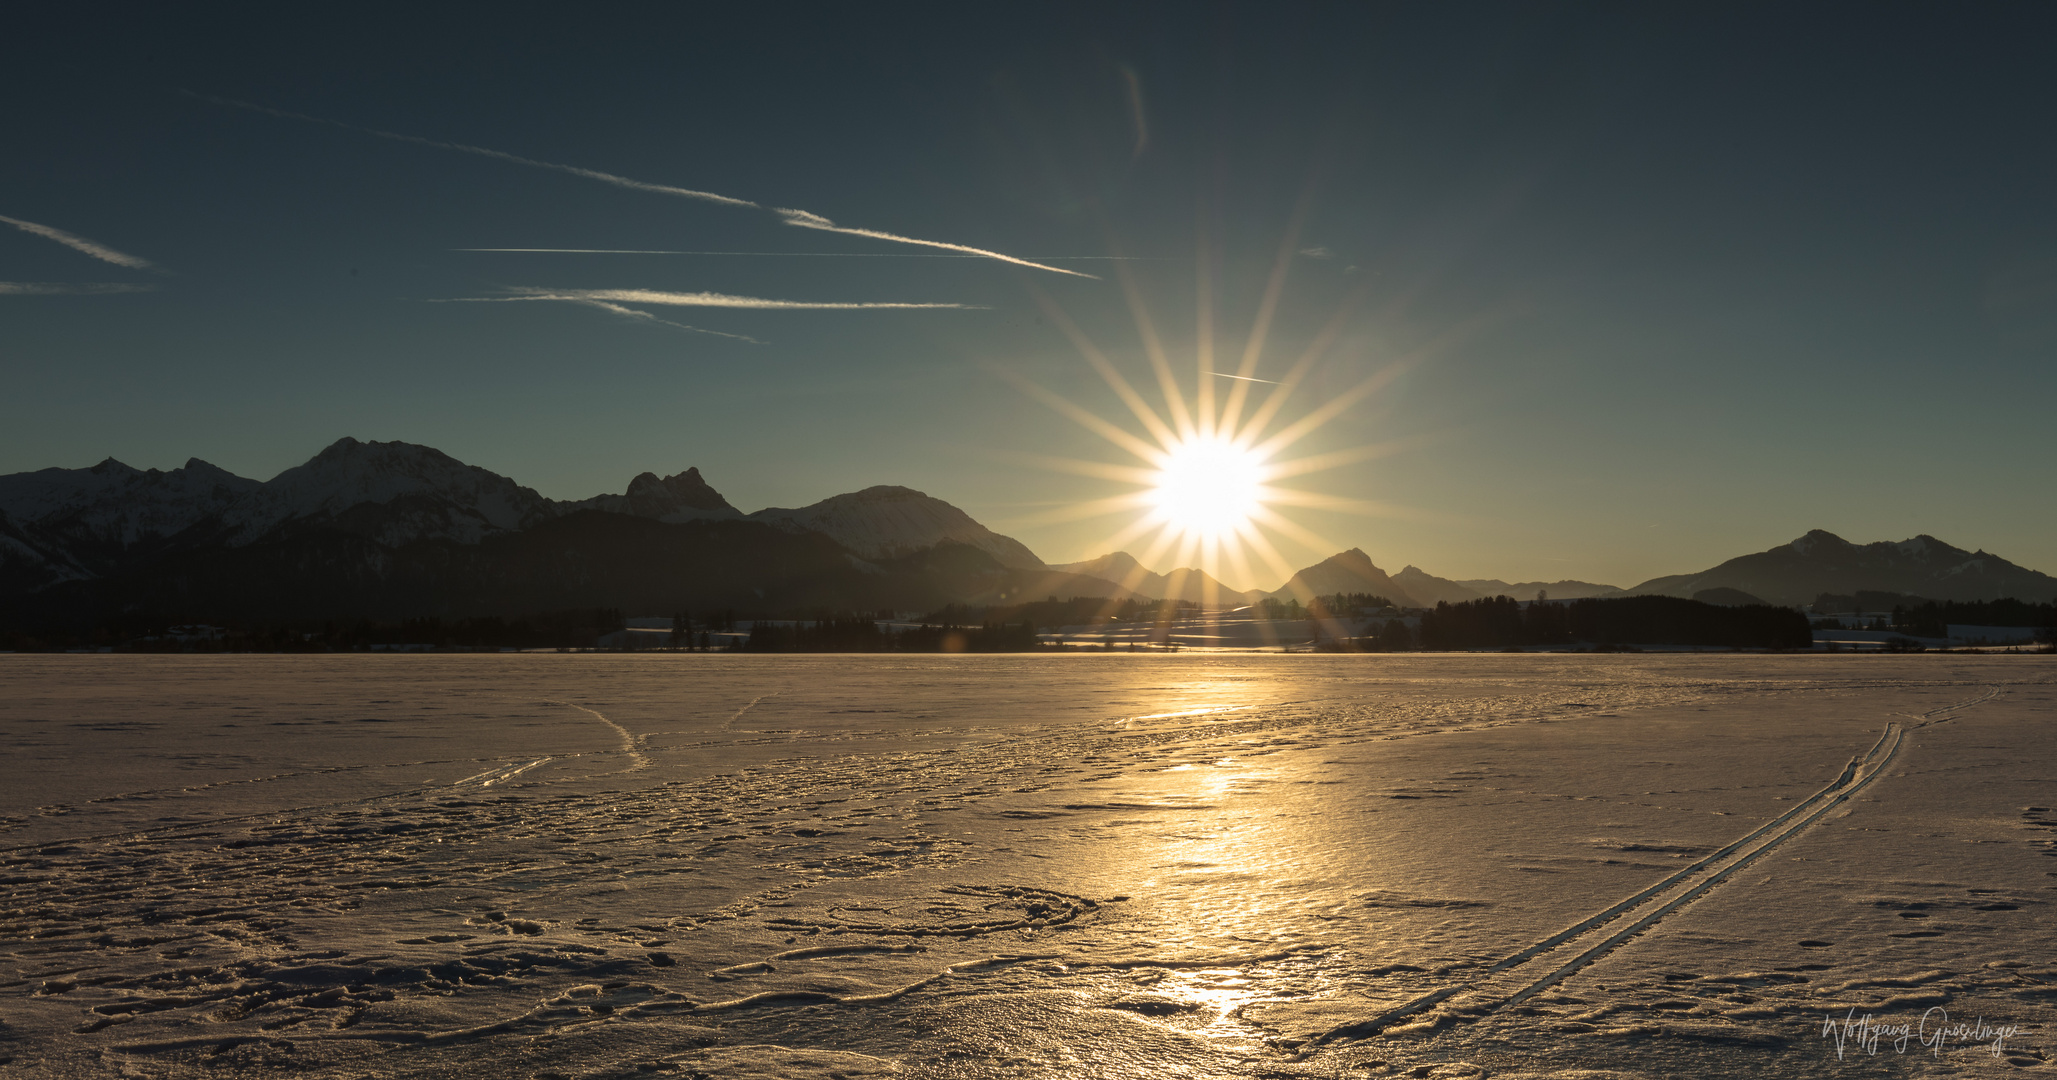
<point>730,723</point>
<point>1586,941</point>
<point>631,744</point>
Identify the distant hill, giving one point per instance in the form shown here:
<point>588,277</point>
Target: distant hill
<point>1822,562</point>
<point>1558,590</point>
<point>1185,583</point>
<point>1351,571</point>
<point>1430,589</point>
<point>887,522</point>
<point>1721,597</point>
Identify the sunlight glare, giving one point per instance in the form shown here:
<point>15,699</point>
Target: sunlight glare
<point>1208,466</point>
<point>1208,487</point>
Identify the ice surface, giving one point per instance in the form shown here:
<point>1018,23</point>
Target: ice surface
<point>1118,865</point>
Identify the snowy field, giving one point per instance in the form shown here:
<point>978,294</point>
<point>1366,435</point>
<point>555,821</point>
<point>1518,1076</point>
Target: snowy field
<point>1040,866</point>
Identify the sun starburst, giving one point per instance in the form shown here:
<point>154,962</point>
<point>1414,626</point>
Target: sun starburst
<point>1207,465</point>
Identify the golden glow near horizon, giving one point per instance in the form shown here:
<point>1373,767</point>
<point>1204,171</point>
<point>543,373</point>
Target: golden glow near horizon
<point>1207,491</point>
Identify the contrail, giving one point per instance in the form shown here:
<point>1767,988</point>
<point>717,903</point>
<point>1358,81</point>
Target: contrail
<point>462,148</point>
<point>60,288</point>
<point>805,220</point>
<point>801,218</point>
<point>723,300</point>
<point>1245,378</point>
<point>80,243</point>
<point>617,309</point>
<point>632,313</point>
<point>803,254</point>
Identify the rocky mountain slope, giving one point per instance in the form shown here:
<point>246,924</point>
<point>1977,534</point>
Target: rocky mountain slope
<point>64,524</point>
<point>680,497</point>
<point>1351,571</point>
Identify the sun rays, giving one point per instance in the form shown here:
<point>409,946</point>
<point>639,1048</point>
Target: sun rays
<point>1207,466</point>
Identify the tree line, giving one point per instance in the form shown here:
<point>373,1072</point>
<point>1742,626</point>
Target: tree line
<point>1501,622</point>
<point>1932,618</point>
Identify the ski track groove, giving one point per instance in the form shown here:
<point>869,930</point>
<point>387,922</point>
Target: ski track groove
<point>1856,775</point>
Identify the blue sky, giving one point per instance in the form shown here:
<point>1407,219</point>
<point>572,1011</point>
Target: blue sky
<point>1664,288</point>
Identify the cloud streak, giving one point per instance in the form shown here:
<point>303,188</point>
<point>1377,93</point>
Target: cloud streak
<point>807,254</point>
<point>723,300</point>
<point>611,308</point>
<point>65,288</point>
<point>801,218</point>
<point>79,243</point>
<point>806,220</point>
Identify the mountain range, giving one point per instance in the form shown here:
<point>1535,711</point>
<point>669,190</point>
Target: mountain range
<point>393,530</point>
<point>390,530</point>
<point>1821,562</point>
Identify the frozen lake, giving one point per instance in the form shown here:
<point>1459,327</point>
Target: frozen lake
<point>1114,865</point>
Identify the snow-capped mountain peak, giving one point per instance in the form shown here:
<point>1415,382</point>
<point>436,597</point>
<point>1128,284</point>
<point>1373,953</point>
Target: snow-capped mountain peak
<point>394,492</point>
<point>112,504</point>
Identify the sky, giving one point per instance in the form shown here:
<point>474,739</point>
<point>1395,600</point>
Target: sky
<point>1598,292</point>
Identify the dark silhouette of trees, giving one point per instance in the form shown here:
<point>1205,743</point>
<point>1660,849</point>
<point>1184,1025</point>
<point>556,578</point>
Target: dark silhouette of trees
<point>1274,609</point>
<point>1500,622</point>
<point>1492,622</point>
<point>1932,618</point>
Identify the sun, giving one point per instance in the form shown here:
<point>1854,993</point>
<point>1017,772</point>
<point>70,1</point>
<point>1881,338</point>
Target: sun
<point>1208,488</point>
<point>1205,484</point>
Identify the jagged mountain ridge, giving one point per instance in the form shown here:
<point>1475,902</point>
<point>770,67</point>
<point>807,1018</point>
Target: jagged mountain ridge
<point>393,530</point>
<point>681,497</point>
<point>64,524</point>
<point>1794,574</point>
